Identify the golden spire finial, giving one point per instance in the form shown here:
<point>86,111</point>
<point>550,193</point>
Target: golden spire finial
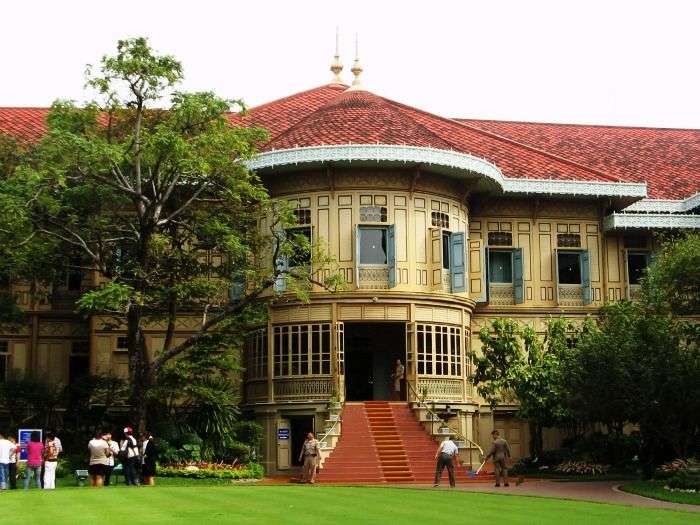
<point>356,67</point>
<point>336,65</point>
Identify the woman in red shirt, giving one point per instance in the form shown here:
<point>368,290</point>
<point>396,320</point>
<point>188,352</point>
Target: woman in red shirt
<point>35,456</point>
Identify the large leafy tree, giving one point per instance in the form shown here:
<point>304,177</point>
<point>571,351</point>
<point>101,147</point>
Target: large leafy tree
<point>516,364</point>
<point>146,187</point>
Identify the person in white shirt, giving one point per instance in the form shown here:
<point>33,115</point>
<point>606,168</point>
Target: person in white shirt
<point>13,462</point>
<point>114,447</point>
<point>6,448</point>
<point>446,455</point>
<point>99,459</point>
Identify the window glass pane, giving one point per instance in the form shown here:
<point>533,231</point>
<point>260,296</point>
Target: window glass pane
<point>500,267</point>
<point>301,240</point>
<point>446,251</point>
<point>569,265</point>
<point>636,264</point>
<point>373,246</point>
<point>3,367</point>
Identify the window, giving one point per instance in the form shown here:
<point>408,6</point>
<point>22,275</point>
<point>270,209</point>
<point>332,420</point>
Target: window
<point>500,266</point>
<point>79,361</point>
<point>122,344</point>
<point>301,242</point>
<point>4,360</point>
<point>568,240</point>
<point>500,239</point>
<point>637,262</point>
<point>303,215</point>
<point>373,246</point>
<point>256,365</point>
<point>446,250</point>
<point>300,350</point>
<point>440,220</point>
<point>439,350</point>
<point>569,267</point>
<point>373,214</point>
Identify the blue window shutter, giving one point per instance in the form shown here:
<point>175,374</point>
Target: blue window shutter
<point>586,277</point>
<point>282,264</point>
<point>391,254</point>
<point>357,255</point>
<point>518,282</point>
<point>457,266</point>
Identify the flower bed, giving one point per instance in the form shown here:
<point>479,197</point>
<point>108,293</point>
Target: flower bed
<point>203,469</point>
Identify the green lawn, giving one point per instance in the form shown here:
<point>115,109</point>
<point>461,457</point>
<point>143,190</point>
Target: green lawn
<point>656,490</point>
<point>307,505</point>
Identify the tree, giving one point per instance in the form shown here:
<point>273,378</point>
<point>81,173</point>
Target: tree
<point>158,203</point>
<point>516,364</point>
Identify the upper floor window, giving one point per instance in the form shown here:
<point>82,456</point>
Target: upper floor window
<point>440,219</point>
<point>79,361</point>
<point>500,266</point>
<point>568,240</point>
<point>122,344</point>
<point>373,245</point>
<point>4,360</point>
<point>303,215</point>
<point>301,350</point>
<point>446,250</point>
<point>569,267</point>
<point>637,262</point>
<point>301,243</point>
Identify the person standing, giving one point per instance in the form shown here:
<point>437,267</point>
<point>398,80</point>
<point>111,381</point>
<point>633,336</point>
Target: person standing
<point>99,459</point>
<point>445,455</point>
<point>14,454</point>
<point>310,452</point>
<point>500,452</point>
<point>397,376</point>
<point>114,448</point>
<point>35,457</point>
<point>148,459</point>
<point>129,453</point>
<point>50,461</point>
<point>6,447</point>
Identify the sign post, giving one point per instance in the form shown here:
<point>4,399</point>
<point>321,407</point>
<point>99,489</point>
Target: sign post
<point>24,435</point>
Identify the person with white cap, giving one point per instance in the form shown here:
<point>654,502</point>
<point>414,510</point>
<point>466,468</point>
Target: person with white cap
<point>129,456</point>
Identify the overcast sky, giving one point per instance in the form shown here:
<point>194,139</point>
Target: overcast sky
<point>604,62</point>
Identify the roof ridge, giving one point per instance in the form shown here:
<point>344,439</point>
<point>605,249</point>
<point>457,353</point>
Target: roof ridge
<point>511,141</point>
<point>289,97</point>
<point>576,124</point>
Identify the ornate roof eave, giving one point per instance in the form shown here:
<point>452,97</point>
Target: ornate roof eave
<point>666,205</point>
<point>650,221</point>
<point>453,160</point>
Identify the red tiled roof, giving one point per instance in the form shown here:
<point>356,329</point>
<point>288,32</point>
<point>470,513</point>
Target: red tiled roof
<point>668,160</point>
<point>25,124</point>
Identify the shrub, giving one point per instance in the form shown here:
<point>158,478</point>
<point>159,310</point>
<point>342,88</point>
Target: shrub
<point>613,448</point>
<point>202,470</point>
<point>582,468</point>
<point>685,480</point>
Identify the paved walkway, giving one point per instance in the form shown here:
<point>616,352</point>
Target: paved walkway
<point>600,491</point>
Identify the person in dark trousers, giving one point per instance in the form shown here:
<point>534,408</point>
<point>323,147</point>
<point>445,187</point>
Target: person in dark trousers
<point>114,447</point>
<point>500,452</point>
<point>14,456</point>
<point>148,459</point>
<point>446,456</point>
<point>130,457</point>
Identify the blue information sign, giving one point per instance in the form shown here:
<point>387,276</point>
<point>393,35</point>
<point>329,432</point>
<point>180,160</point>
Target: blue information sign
<point>282,433</point>
<point>23,437</point>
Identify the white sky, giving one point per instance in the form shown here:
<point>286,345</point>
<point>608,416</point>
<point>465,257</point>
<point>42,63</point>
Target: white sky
<point>605,62</point>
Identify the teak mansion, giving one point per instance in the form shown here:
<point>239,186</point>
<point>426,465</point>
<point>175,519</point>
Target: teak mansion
<point>438,226</point>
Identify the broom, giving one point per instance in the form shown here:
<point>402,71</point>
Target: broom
<point>473,474</point>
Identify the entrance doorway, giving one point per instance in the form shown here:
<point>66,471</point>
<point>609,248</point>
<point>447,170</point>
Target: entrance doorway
<point>371,351</point>
<point>299,427</point>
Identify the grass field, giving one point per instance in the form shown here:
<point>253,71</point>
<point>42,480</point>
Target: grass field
<point>308,505</point>
<point>655,489</point>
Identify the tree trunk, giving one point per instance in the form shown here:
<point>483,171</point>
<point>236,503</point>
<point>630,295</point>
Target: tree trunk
<point>139,370</point>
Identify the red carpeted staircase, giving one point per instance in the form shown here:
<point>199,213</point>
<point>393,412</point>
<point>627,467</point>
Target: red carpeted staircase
<point>383,442</point>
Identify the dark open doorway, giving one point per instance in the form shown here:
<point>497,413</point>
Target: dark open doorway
<point>299,427</point>
<point>371,351</point>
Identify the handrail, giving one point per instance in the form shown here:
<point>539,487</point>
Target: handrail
<point>442,421</point>
<point>323,438</point>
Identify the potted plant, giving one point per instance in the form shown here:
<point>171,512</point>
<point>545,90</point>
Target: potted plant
<point>334,404</point>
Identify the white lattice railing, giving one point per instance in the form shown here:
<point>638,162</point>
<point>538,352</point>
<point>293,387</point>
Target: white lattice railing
<point>374,278</point>
<point>439,389</point>
<point>501,294</point>
<point>570,295</point>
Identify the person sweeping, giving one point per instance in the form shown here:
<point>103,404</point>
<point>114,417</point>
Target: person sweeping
<point>500,452</point>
